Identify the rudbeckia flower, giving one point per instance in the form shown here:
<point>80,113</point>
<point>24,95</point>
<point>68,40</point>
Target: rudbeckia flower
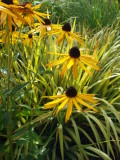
<point>9,10</point>
<point>70,98</point>
<point>45,28</point>
<point>30,13</point>
<point>73,58</point>
<point>14,35</point>
<point>66,31</point>
<point>27,39</point>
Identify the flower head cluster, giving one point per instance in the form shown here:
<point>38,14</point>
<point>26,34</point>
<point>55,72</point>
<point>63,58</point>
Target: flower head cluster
<point>14,15</point>
<point>17,14</point>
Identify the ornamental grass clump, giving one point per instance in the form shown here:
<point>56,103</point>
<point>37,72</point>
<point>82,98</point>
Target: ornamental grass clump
<point>54,88</point>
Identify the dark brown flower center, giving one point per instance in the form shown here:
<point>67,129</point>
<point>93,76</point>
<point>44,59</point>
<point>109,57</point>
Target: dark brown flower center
<point>74,52</point>
<point>30,35</point>
<point>7,1</point>
<point>66,27</point>
<point>47,21</point>
<point>13,28</point>
<point>71,92</point>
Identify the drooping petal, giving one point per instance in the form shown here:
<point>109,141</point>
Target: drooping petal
<point>75,70</point>
<point>70,64</point>
<point>76,104</point>
<point>87,97</point>
<point>53,97</point>
<point>68,38</point>
<point>56,101</point>
<point>85,104</point>
<point>37,6</point>
<point>84,68</point>
<point>19,16</point>
<point>3,17</point>
<point>40,14</point>
<point>69,110</point>
<point>74,36</point>
<point>90,63</point>
<point>89,58</point>
<point>57,62</point>
<point>62,105</point>
<point>64,69</point>
<point>38,18</point>
<point>60,38</point>
<point>49,106</point>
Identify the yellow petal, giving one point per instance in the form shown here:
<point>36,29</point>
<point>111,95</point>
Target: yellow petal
<point>89,58</point>
<point>74,36</point>
<point>19,16</point>
<point>89,63</point>
<point>68,38</point>
<point>49,106</point>
<point>75,70</point>
<point>56,101</point>
<point>70,64</point>
<point>87,97</point>
<point>85,104</point>
<point>37,6</point>
<point>38,18</point>
<point>3,17</point>
<point>69,110</point>
<point>83,67</point>
<point>62,105</point>
<point>57,62</point>
<point>40,14</point>
<point>52,97</point>
<point>60,38</point>
<point>76,104</point>
<point>64,69</point>
<point>7,11</point>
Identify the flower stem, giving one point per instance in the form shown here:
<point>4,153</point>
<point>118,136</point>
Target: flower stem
<point>9,105</point>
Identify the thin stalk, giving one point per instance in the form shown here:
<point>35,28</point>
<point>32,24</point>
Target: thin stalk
<point>9,105</point>
<point>62,45</point>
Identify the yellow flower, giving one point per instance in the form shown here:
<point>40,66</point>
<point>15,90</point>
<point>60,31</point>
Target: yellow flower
<point>27,39</point>
<point>9,11</point>
<point>70,98</point>
<point>45,28</point>
<point>73,58</point>
<point>66,31</point>
<point>29,12</point>
<point>14,35</point>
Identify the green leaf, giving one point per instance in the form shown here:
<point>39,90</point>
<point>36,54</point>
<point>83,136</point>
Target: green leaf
<point>99,152</point>
<point>60,131</point>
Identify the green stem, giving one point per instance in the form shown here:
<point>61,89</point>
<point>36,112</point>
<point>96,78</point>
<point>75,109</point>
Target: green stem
<point>9,105</point>
<point>62,45</point>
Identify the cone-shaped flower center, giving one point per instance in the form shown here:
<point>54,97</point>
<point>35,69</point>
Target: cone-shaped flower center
<point>30,35</point>
<point>47,21</point>
<point>7,1</point>
<point>66,27</point>
<point>71,92</point>
<point>13,28</point>
<point>74,52</point>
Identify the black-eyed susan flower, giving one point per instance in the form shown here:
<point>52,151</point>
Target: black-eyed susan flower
<point>30,13</point>
<point>9,9</point>
<point>45,28</point>
<point>28,39</point>
<point>73,58</point>
<point>14,35</point>
<point>69,98</point>
<point>66,31</point>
